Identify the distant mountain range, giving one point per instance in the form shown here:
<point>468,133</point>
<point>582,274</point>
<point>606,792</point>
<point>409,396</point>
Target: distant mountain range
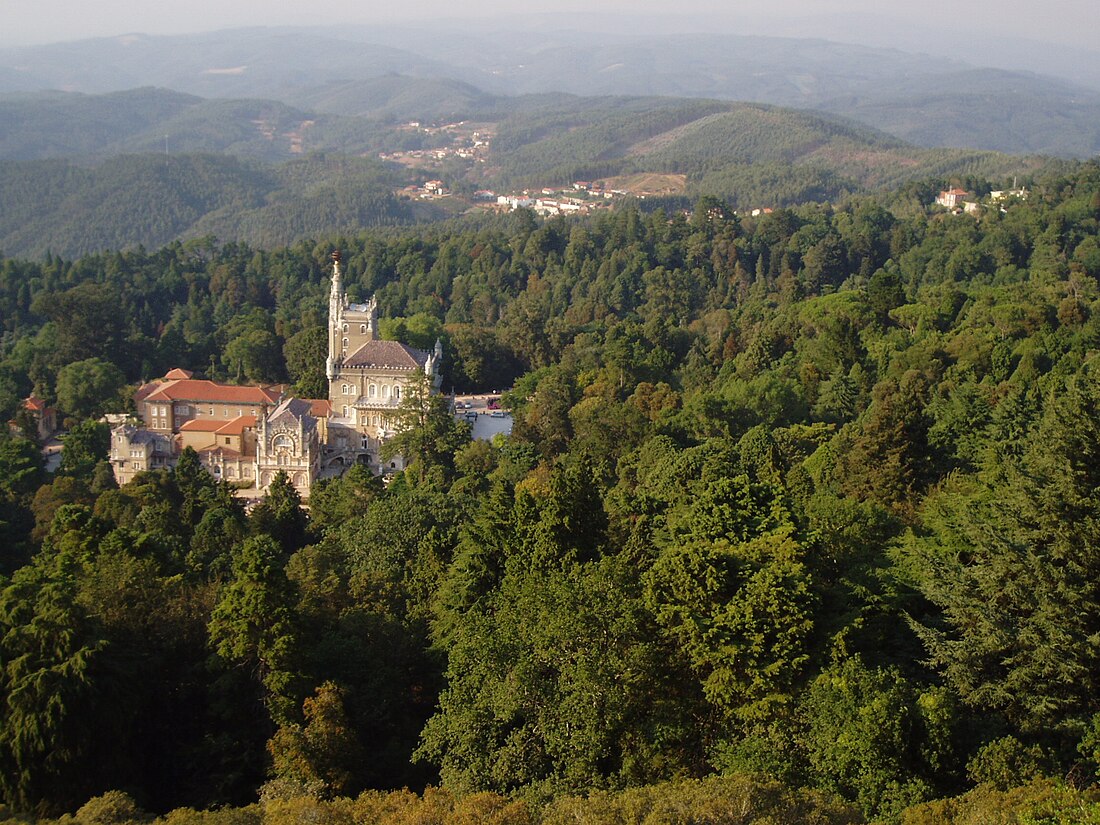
<point>926,100</point>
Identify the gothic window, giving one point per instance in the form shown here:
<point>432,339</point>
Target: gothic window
<point>282,442</point>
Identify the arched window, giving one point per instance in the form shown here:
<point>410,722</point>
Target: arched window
<point>396,391</point>
<point>385,390</point>
<point>345,344</point>
<point>345,327</point>
<point>345,413</point>
<point>282,442</point>
<point>372,391</point>
<point>363,329</point>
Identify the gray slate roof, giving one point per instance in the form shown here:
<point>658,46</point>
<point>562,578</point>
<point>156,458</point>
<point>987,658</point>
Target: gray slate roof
<point>387,355</point>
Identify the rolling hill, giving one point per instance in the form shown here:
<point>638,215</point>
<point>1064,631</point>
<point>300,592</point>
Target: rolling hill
<point>930,101</point>
<point>129,200</point>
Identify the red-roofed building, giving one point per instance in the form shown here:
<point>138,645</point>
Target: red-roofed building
<point>167,405</point>
<point>44,415</point>
<point>952,198</point>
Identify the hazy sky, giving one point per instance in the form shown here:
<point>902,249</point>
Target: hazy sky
<point>24,22</point>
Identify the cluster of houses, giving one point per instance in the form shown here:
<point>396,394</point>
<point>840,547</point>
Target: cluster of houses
<point>466,145</point>
<point>579,199</point>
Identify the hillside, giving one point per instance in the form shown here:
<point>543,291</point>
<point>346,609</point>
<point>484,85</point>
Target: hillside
<point>749,154</point>
<point>70,124</point>
<point>82,173</point>
<point>57,206</point>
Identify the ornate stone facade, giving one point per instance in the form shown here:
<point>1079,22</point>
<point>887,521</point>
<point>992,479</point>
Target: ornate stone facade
<point>367,378</point>
<point>288,440</point>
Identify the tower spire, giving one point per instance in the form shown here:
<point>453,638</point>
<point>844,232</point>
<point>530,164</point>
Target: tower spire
<point>335,316</point>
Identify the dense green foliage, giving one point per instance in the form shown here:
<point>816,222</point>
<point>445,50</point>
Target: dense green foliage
<point>811,496</point>
<point>57,206</point>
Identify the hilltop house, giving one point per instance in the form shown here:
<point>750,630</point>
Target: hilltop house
<point>952,198</point>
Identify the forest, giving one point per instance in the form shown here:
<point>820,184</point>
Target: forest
<point>796,524</point>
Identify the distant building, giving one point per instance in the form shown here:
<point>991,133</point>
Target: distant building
<point>45,416</point>
<point>998,195</point>
<point>952,198</point>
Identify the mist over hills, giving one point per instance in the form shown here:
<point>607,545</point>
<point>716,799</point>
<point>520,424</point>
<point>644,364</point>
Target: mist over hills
<point>928,100</point>
<point>272,135</point>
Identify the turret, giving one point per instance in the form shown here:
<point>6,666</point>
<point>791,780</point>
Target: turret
<point>335,316</point>
<point>433,363</point>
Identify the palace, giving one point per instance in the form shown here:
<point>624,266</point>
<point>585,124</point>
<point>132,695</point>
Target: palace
<point>246,435</point>
<point>367,377</point>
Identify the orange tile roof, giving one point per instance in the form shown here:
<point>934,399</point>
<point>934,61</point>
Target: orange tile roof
<point>238,425</point>
<point>193,389</point>
<point>35,404</point>
<point>202,425</point>
<point>221,426</point>
<point>178,374</point>
<point>320,407</point>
